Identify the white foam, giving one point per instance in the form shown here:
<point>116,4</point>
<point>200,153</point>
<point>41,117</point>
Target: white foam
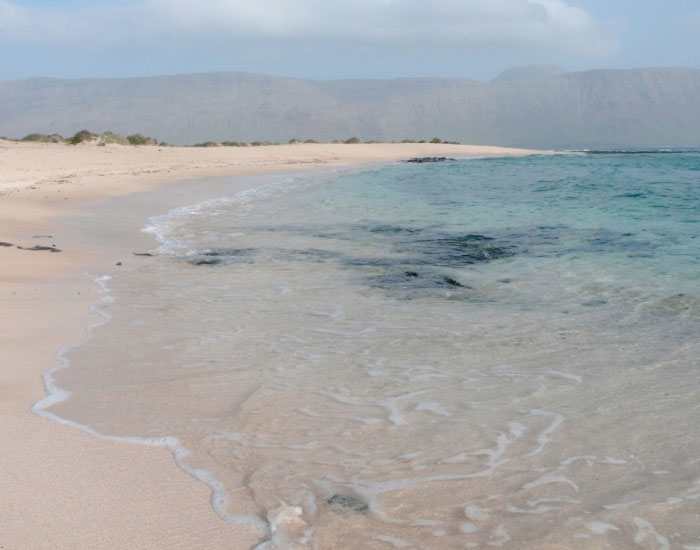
<point>620,505</point>
<point>55,394</point>
<point>433,407</point>
<point>547,479</point>
<point>544,438</point>
<point>516,429</point>
<point>395,542</point>
<point>646,531</point>
<point>476,513</point>
<point>537,510</point>
<point>499,536</point>
<point>600,528</point>
<point>165,228</point>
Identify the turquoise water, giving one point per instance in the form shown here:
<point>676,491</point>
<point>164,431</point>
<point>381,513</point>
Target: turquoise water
<point>477,353</point>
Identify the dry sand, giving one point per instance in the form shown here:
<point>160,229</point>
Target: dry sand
<point>62,488</point>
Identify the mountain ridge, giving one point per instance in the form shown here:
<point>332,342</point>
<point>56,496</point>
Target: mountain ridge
<point>587,109</point>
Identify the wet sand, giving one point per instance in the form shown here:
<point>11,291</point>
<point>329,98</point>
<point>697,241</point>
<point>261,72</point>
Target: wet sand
<point>63,488</point>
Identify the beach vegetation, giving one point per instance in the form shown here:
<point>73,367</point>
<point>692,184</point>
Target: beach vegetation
<point>81,137</point>
<point>232,144</point>
<point>436,140</point>
<point>352,140</point>
<point>206,144</point>
<point>311,141</point>
<point>110,138</point>
<point>408,141</point>
<point>43,138</point>
<point>139,139</point>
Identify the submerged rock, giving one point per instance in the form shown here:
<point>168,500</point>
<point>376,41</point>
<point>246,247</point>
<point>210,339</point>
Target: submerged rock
<point>341,504</point>
<point>680,303</point>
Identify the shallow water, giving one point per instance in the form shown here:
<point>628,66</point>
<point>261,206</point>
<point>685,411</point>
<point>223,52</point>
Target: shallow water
<point>470,354</point>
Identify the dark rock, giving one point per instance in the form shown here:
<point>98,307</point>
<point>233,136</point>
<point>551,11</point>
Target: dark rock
<point>340,504</point>
<point>451,282</point>
<point>142,254</point>
<point>5,244</point>
<point>118,263</point>
<point>421,160</point>
<point>42,237</point>
<point>411,274</point>
<point>37,247</point>
<point>203,261</point>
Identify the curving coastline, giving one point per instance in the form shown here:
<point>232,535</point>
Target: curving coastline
<point>99,492</point>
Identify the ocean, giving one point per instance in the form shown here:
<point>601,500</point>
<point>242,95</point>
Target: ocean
<point>475,353</point>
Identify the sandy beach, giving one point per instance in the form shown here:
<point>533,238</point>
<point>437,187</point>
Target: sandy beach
<point>63,488</point>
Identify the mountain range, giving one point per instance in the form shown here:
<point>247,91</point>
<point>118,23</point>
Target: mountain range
<point>541,106</point>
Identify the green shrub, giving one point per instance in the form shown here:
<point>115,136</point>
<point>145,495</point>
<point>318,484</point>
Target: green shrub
<point>206,144</point>
<point>34,137</point>
<point>353,140</point>
<point>81,136</point>
<point>108,138</point>
<point>43,138</point>
<point>436,140</point>
<point>139,139</point>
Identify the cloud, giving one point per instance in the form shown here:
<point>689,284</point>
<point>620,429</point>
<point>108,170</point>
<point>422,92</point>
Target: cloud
<point>691,22</point>
<point>470,25</point>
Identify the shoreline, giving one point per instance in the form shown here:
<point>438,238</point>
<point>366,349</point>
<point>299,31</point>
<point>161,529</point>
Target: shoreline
<point>98,492</point>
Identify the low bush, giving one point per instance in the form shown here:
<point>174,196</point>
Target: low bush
<point>43,138</point>
<point>109,138</point>
<point>81,137</point>
<point>139,139</point>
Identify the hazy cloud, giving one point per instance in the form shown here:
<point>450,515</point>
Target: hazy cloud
<point>692,22</point>
<point>482,24</point>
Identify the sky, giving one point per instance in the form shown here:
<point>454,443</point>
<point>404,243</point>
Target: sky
<point>330,39</point>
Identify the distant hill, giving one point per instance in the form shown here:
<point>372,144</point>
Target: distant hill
<point>530,107</point>
<point>530,71</point>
